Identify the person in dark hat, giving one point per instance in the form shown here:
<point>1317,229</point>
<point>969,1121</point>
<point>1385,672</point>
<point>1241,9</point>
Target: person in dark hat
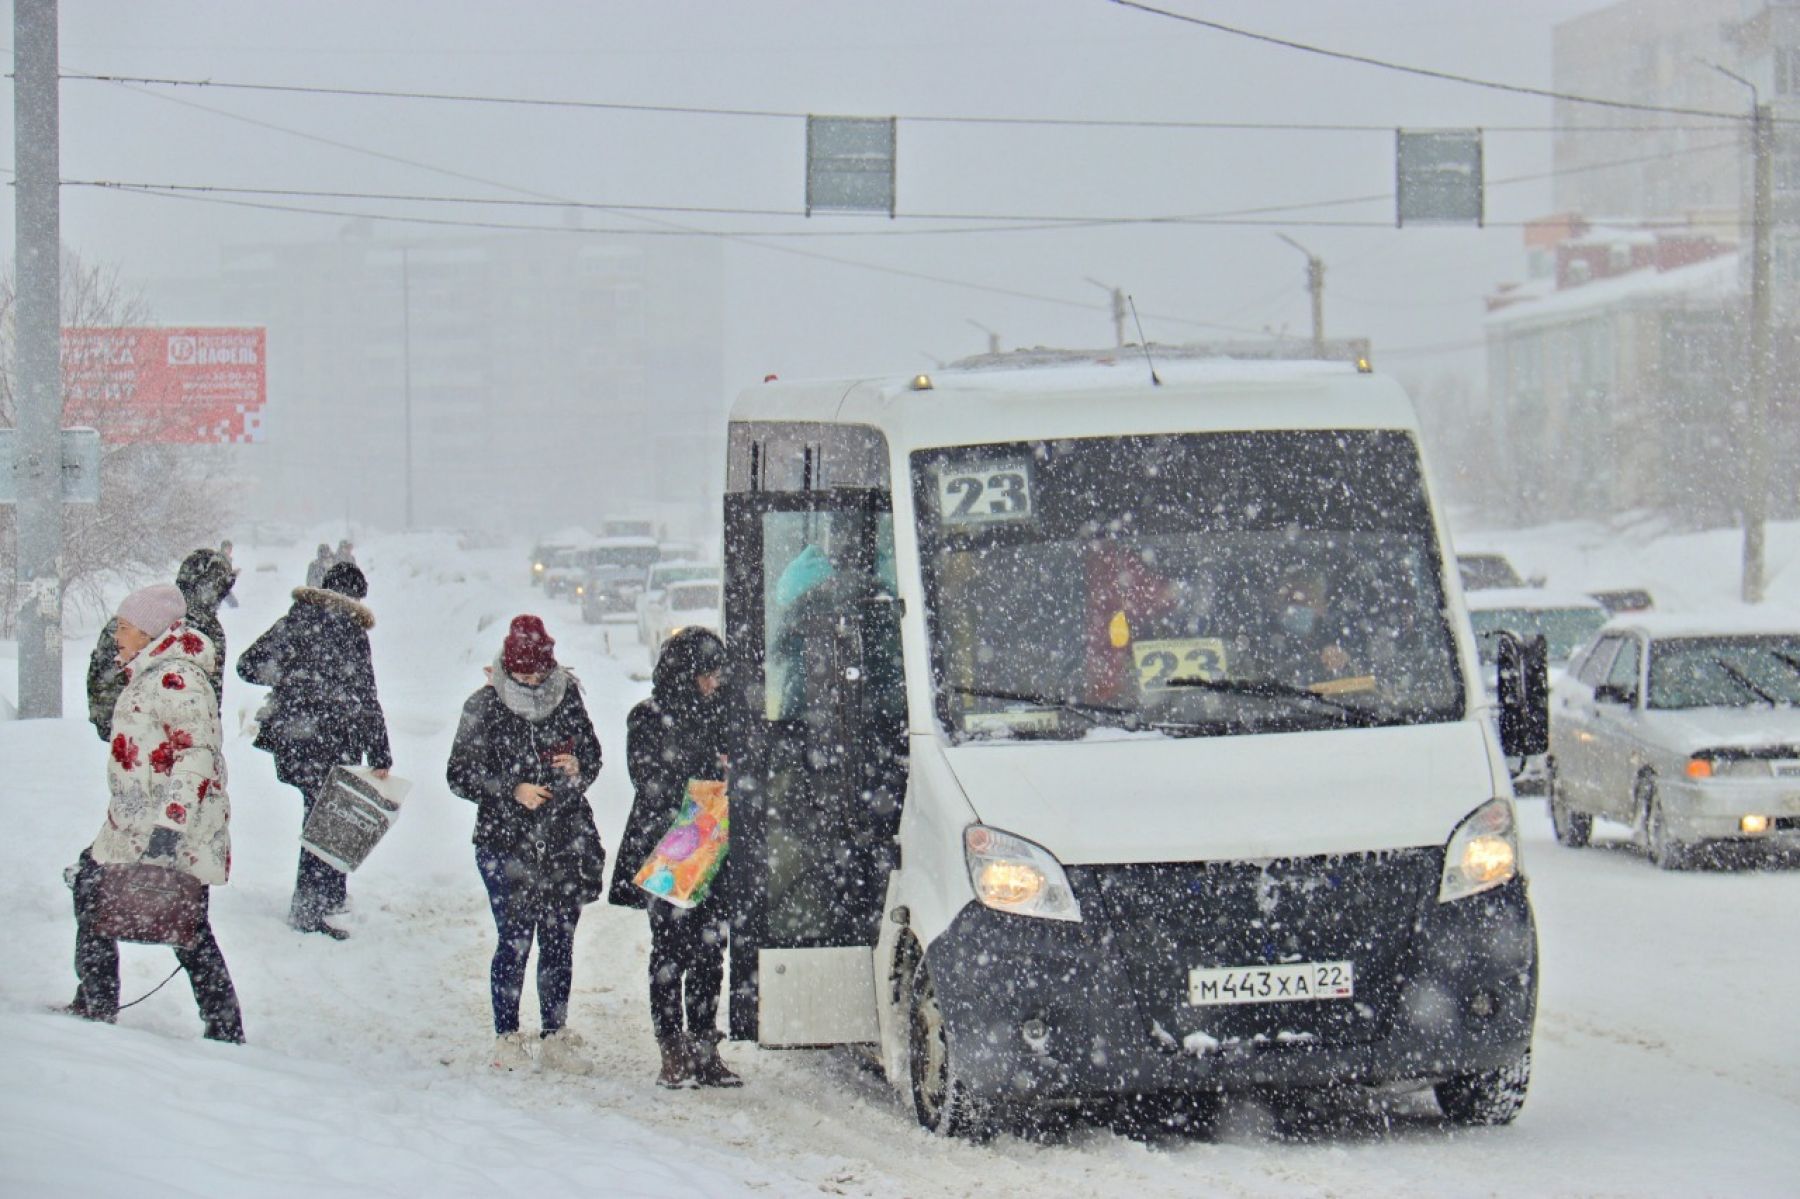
<point>526,754</point>
<point>324,712</point>
<point>679,734</point>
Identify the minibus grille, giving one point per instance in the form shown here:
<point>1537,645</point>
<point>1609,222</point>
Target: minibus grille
<point>1167,919</point>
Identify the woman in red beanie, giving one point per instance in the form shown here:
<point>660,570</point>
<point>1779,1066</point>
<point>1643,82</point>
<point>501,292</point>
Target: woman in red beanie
<point>526,753</point>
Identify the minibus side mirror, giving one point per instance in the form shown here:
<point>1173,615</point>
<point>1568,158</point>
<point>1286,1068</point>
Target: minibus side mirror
<point>1524,692</point>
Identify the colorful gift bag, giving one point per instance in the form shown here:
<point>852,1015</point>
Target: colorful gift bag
<point>685,862</point>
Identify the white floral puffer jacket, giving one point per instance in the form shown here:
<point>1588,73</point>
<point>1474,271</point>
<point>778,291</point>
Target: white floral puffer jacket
<point>167,769</point>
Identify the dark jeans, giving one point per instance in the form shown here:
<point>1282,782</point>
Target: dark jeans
<point>97,966</point>
<point>687,945</point>
<point>521,912</point>
<point>319,887</point>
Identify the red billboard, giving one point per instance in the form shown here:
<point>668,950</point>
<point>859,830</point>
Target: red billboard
<point>186,386</point>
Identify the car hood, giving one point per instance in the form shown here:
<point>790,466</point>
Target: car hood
<point>1685,730</point>
<point>1161,799</point>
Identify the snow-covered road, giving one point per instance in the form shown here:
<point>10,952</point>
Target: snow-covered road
<point>1667,1058</point>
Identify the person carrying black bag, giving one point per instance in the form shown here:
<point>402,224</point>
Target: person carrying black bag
<point>168,805</point>
<point>526,753</point>
<point>679,734</point>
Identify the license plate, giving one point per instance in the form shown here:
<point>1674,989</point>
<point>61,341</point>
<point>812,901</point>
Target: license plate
<point>1287,983</point>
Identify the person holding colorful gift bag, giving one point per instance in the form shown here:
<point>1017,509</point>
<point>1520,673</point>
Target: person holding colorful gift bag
<point>676,736</point>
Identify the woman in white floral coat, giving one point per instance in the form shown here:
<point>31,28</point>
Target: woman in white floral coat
<point>166,772</point>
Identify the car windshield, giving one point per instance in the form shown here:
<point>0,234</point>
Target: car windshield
<point>1481,572</point>
<point>1193,584</point>
<point>1725,672</point>
<point>694,597</point>
<point>1564,630</point>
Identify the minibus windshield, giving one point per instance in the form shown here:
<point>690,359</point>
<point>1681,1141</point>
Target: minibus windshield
<point>1185,584</point>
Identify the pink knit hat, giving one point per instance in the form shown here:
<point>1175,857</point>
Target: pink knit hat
<point>153,609</point>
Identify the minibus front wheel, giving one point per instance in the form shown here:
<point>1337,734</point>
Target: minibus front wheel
<point>941,1099</point>
<point>1487,1097</point>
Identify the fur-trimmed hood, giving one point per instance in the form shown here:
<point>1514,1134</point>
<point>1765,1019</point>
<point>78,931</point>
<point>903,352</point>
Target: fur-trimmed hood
<point>332,599</point>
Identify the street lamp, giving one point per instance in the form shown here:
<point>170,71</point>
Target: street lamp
<point>1315,283</point>
<point>993,337</point>
<point>1118,308</point>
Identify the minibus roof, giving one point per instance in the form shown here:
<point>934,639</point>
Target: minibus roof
<point>996,400</point>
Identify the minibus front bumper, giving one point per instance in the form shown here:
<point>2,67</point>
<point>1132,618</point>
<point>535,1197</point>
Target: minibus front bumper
<point>1043,1011</point>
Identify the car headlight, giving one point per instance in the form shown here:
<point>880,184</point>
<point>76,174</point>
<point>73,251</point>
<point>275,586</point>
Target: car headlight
<point>1010,874</point>
<point>1483,852</point>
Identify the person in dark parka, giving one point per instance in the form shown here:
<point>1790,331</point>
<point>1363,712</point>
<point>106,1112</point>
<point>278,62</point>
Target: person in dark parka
<point>324,712</point>
<point>205,579</point>
<point>526,753</point>
<point>678,734</point>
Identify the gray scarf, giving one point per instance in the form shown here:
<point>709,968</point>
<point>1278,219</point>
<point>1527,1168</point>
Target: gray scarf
<point>533,703</point>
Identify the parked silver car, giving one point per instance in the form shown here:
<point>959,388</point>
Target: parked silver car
<point>1685,729</point>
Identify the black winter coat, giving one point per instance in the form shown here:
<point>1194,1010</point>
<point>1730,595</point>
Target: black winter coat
<point>495,750</point>
<point>324,709</point>
<point>669,738</point>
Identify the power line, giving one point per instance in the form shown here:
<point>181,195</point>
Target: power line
<point>1424,72</point>
<point>993,222</point>
<point>696,110</point>
<point>499,226</point>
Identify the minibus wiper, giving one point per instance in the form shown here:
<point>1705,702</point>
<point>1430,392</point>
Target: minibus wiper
<point>1274,689</point>
<point>1089,712</point>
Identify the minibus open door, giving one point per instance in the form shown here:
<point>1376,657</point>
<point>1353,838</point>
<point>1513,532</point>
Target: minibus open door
<point>818,767</point>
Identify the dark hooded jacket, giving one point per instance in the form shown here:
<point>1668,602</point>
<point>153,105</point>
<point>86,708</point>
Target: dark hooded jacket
<point>324,711</point>
<point>496,749</point>
<point>673,736</point>
<point>205,579</point>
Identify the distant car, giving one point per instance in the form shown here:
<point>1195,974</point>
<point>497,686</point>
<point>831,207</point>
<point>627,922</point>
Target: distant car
<point>609,590</point>
<point>1483,571</point>
<point>1685,729</point>
<point>615,572</point>
<point>698,602</point>
<point>553,568</point>
<point>652,603</point>
<point>1567,621</point>
<point>1624,599</point>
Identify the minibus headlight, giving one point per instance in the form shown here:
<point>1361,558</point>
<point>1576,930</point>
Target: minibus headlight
<point>1483,852</point>
<point>1010,874</point>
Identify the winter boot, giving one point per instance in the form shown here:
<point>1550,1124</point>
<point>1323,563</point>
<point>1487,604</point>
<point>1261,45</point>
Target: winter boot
<point>511,1052</point>
<point>79,1007</point>
<point>561,1049</point>
<point>710,1069</point>
<point>677,1064</point>
<point>304,921</point>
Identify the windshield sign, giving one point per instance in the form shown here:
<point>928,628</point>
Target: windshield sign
<point>1192,584</point>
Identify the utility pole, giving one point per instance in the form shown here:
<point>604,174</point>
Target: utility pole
<point>1315,283</point>
<point>406,370</point>
<point>1755,500</point>
<point>38,467</point>
<point>1756,466</point>
<point>1118,308</point>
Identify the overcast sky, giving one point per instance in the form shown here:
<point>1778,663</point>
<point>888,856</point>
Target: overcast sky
<point>787,310</point>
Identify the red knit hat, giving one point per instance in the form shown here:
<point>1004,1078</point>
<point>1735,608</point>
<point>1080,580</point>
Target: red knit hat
<point>528,648</point>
